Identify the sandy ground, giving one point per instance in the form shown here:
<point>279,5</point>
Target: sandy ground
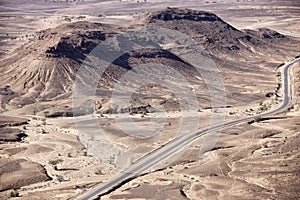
<point>257,161</point>
<point>54,143</point>
<point>59,151</point>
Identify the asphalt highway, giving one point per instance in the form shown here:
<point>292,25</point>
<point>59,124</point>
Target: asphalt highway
<point>180,143</point>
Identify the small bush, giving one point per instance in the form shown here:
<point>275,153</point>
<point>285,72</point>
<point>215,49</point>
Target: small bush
<point>99,172</point>
<point>60,178</point>
<point>231,113</point>
<point>268,134</point>
<point>55,162</point>
<point>14,193</point>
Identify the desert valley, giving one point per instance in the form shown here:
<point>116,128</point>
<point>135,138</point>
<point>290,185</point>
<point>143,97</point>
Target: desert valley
<point>150,99</point>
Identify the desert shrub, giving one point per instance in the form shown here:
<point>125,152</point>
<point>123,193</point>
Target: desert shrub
<point>55,162</point>
<point>269,133</point>
<point>14,193</point>
<point>44,132</point>
<point>60,178</point>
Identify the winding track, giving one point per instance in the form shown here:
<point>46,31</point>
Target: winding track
<point>178,144</point>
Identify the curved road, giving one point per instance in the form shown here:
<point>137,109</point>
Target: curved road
<point>181,142</point>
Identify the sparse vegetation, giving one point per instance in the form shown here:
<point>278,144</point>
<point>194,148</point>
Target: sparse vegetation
<point>55,162</point>
<point>43,131</point>
<point>112,160</point>
<point>44,70</point>
<point>269,133</point>
<point>263,108</point>
<point>257,119</point>
<point>232,113</point>
<point>14,193</point>
<point>60,178</point>
<point>99,172</point>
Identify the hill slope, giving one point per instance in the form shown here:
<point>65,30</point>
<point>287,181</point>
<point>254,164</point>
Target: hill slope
<point>45,68</point>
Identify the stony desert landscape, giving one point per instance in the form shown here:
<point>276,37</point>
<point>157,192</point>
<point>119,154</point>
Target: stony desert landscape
<point>54,146</point>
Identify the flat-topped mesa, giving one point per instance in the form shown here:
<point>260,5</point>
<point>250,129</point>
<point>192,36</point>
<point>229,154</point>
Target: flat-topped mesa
<point>73,40</point>
<point>48,64</point>
<point>75,45</point>
<point>181,14</point>
<point>205,27</point>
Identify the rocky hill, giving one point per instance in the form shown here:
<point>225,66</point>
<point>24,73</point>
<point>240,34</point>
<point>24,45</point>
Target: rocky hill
<point>216,35</point>
<point>45,68</point>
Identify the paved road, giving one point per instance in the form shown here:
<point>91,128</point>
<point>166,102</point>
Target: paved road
<point>179,143</point>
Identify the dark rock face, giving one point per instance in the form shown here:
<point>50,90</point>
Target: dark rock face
<point>269,34</point>
<point>23,172</point>
<point>215,35</point>
<point>11,135</point>
<point>77,45</point>
<point>205,27</point>
<point>10,130</point>
<point>266,34</point>
<point>182,14</point>
<point>73,40</point>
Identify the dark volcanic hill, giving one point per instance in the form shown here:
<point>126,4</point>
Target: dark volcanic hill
<point>216,35</point>
<point>45,68</point>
